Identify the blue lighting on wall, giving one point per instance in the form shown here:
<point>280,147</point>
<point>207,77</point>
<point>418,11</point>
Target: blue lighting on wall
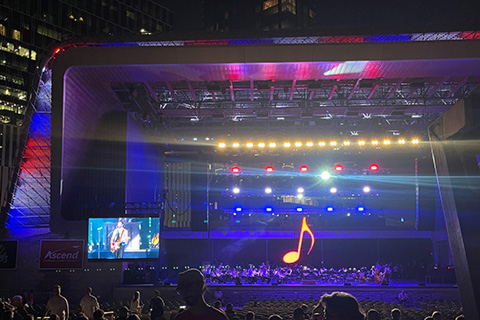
<point>360,208</point>
<point>329,209</point>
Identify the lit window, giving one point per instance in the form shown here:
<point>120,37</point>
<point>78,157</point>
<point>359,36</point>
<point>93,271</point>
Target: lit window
<point>33,55</point>
<point>16,34</point>
<point>3,31</point>
<point>269,3</point>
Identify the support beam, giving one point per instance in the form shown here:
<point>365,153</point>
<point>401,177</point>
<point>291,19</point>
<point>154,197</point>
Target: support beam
<point>457,87</point>
<point>232,93</point>
<point>251,90</point>
<point>350,96</point>
<point>172,92</point>
<point>394,89</point>
<point>375,87</point>
<point>153,95</point>
<point>292,89</point>
<point>332,92</point>
<point>272,89</point>
<point>435,89</point>
<point>192,92</point>
<point>312,93</point>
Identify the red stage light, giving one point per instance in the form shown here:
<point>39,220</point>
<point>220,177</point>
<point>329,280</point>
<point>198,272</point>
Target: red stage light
<point>269,169</point>
<point>338,167</point>
<point>57,50</point>
<point>235,170</point>
<point>303,169</point>
<point>373,167</point>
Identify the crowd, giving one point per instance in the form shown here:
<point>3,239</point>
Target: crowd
<point>192,288</point>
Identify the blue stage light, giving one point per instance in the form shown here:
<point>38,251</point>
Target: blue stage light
<point>269,209</point>
<point>329,208</point>
<point>360,208</point>
<point>299,209</point>
<point>238,209</point>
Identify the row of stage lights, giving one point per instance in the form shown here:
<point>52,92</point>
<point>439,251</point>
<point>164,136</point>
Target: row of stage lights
<point>269,209</point>
<point>311,144</point>
<point>324,175</point>
<point>301,190</point>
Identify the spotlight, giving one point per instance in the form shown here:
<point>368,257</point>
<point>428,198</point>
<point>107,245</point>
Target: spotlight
<point>346,143</point>
<point>261,144</point>
<point>333,190</point>
<point>298,144</point>
<point>401,141</point>
<point>235,169</point>
<point>374,167</point>
<point>269,169</point>
<point>374,142</point>
<point>249,144</point>
<point>333,143</point>
<point>238,209</point>
<point>330,209</point>
<point>236,190</point>
<point>338,167</point>
<point>415,141</point>
<point>299,196</point>
<point>268,209</point>
<point>287,144</point>
<point>325,175</point>
<point>309,144</point>
<point>360,208</point>
<point>222,145</point>
<point>387,142</point>
<point>322,144</point>
<point>300,190</point>
<point>303,169</point>
<point>272,144</point>
<point>361,142</point>
<point>366,189</point>
<point>299,209</point>
<point>268,190</point>
<point>236,145</point>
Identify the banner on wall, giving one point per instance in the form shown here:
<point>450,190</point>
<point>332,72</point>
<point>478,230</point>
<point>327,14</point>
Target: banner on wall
<point>8,254</point>
<point>61,254</point>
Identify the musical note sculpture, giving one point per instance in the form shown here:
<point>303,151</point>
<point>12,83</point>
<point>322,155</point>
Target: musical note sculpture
<point>293,256</point>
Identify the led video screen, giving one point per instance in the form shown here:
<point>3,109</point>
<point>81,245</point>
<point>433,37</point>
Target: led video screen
<point>123,238</point>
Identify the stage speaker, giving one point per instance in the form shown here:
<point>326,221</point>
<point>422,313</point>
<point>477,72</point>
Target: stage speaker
<point>199,196</point>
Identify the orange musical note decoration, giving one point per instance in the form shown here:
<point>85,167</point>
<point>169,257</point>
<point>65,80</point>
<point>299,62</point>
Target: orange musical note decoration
<point>293,256</point>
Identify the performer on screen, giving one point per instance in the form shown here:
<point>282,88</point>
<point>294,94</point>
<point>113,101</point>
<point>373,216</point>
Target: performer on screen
<point>119,240</point>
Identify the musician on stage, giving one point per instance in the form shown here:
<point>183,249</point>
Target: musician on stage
<point>118,240</point>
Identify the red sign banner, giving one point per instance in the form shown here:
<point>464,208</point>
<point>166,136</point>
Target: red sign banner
<point>61,254</point>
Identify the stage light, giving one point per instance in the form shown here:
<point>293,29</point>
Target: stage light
<point>330,209</point>
<point>402,220</point>
<point>268,209</point>
<point>360,208</point>
<point>222,145</point>
<point>348,214</point>
<point>361,142</point>
<point>346,143</point>
<point>374,167</point>
<point>236,145</point>
<point>303,169</point>
<point>333,190</point>
<point>268,190</point>
<point>238,209</point>
<point>374,142</point>
<point>195,139</point>
<point>387,142</point>
<point>298,144</point>
<point>287,144</point>
<point>401,141</point>
<point>333,143</point>
<point>338,167</point>
<point>234,213</point>
<point>300,190</point>
<point>299,209</point>
<point>261,144</point>
<point>309,144</point>
<point>236,190</point>
<point>415,141</point>
<point>249,144</point>
<point>269,169</point>
<point>299,196</point>
<point>366,189</point>
<point>235,169</point>
<point>322,143</point>
<point>325,175</point>
<point>272,144</point>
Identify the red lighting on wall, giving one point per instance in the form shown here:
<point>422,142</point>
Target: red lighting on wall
<point>338,168</point>
<point>303,169</point>
<point>235,170</point>
<point>269,169</point>
<point>374,167</point>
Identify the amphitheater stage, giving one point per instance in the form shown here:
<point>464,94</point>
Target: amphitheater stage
<point>241,294</point>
